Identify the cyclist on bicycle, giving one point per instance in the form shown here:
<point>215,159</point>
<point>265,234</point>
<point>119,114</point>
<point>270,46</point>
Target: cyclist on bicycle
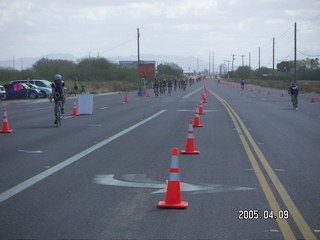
<point>294,91</point>
<point>170,83</point>
<point>57,94</point>
<point>156,87</point>
<point>242,83</point>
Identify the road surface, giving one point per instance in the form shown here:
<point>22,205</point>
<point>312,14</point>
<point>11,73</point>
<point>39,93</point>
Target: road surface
<point>101,176</point>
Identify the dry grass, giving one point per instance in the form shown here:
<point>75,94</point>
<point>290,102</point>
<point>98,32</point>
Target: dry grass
<point>109,86</point>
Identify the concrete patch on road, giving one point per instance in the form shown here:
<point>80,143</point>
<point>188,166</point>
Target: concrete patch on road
<point>141,181</point>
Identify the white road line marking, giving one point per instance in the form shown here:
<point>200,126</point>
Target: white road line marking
<point>109,180</point>
<point>188,95</point>
<point>68,117</point>
<point>30,151</point>
<point>104,108</point>
<point>37,178</point>
<point>186,110</point>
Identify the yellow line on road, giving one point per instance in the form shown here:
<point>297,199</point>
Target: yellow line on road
<point>294,212</point>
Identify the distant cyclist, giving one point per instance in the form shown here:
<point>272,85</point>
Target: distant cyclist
<point>170,83</point>
<point>242,83</point>
<point>294,91</point>
<point>57,93</point>
<point>156,87</point>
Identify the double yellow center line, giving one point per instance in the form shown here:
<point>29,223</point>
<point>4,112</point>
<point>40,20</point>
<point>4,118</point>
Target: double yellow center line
<point>248,141</point>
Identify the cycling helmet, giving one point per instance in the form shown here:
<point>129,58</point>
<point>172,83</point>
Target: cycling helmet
<point>57,77</point>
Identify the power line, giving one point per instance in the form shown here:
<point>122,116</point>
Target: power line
<point>286,57</point>
<point>119,45</point>
<point>308,54</point>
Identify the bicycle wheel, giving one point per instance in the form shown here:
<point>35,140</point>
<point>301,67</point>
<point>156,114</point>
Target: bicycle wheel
<point>59,116</point>
<point>294,103</point>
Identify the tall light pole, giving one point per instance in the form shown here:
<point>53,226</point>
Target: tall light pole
<point>273,45</point>
<point>138,41</point>
<point>232,62</point>
<point>242,59</point>
<point>295,53</point>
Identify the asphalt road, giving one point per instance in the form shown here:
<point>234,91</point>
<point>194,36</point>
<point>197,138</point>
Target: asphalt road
<point>101,176</point>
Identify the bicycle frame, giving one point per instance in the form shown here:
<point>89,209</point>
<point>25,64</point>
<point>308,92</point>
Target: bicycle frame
<point>59,113</point>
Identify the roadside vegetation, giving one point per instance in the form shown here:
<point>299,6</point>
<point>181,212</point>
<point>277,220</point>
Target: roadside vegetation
<point>98,74</point>
<point>308,75</point>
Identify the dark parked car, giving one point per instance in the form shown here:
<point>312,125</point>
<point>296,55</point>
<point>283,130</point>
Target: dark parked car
<point>21,90</point>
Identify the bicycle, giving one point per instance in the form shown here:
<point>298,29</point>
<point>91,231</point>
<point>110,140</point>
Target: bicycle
<point>59,113</point>
<point>58,109</point>
<point>294,101</point>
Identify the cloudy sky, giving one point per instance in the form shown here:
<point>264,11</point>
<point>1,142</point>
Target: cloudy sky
<point>32,28</point>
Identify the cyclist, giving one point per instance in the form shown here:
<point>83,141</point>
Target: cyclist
<point>242,83</point>
<point>156,87</point>
<point>170,86</point>
<point>57,94</point>
<point>294,91</point>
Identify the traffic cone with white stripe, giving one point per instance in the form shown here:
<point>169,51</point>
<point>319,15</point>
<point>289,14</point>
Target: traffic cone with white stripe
<point>5,123</point>
<point>201,109</point>
<point>204,98</point>
<point>190,144</point>
<point>173,194</point>
<point>75,109</point>
<point>197,122</point>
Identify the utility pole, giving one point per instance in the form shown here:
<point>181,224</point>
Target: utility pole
<point>213,62</point>
<point>197,64</point>
<point>273,60</point>
<point>232,61</point>
<point>242,59</point>
<point>13,62</point>
<point>209,61</point>
<point>259,63</point>
<point>138,41</point>
<point>250,60</point>
<point>295,53</point>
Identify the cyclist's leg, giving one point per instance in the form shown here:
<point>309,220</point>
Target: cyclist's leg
<point>55,112</point>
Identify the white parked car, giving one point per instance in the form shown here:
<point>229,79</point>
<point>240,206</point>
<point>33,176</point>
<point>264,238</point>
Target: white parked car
<point>2,92</point>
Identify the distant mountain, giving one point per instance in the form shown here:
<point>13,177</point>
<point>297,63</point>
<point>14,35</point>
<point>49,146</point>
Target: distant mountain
<point>24,63</point>
<point>187,63</point>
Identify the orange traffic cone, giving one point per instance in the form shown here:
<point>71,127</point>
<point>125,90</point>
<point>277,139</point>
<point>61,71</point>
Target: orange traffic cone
<point>282,95</point>
<point>204,97</point>
<point>75,109</point>
<point>313,99</point>
<point>126,97</point>
<point>190,144</point>
<point>5,123</point>
<point>201,109</point>
<point>173,194</point>
<point>197,122</point>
